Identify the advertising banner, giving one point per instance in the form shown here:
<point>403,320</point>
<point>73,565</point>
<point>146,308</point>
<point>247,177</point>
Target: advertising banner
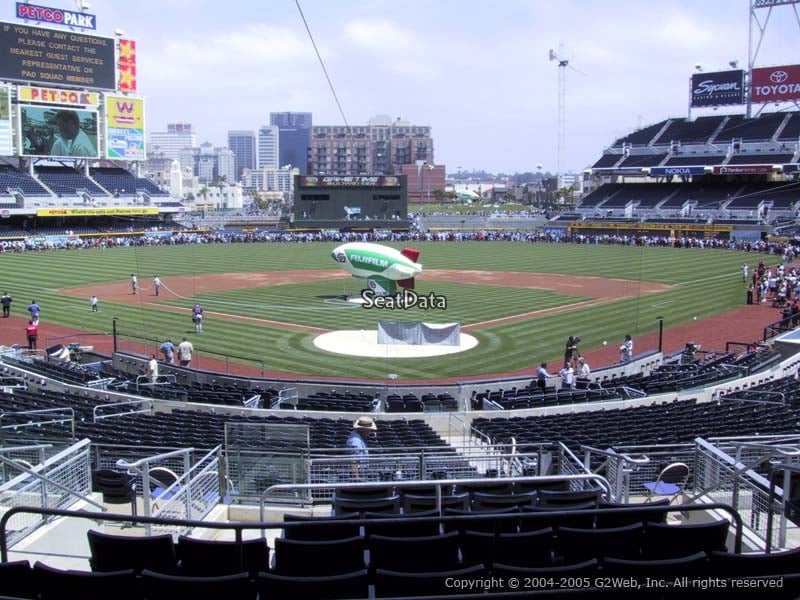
<point>55,96</point>
<point>718,89</point>
<point>348,181</point>
<point>677,170</point>
<point>6,139</point>
<point>771,3</point>
<point>125,128</point>
<point>127,66</point>
<point>57,132</point>
<point>744,169</point>
<point>91,212</point>
<point>775,84</point>
<point>54,57</point>
<point>55,15</point>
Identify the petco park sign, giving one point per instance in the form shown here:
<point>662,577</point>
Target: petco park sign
<point>775,84</point>
<point>44,14</point>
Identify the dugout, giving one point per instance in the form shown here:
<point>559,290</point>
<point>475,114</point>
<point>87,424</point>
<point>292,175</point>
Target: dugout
<point>350,202</point>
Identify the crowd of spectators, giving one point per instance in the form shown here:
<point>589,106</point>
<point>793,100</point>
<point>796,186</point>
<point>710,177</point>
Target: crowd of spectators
<point>788,250</point>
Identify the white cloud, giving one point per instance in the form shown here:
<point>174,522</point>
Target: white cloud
<point>381,36</point>
<point>250,51</point>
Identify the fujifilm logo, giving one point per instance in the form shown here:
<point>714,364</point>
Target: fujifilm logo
<point>369,260</point>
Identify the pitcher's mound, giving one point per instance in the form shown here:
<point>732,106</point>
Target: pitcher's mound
<point>362,342</point>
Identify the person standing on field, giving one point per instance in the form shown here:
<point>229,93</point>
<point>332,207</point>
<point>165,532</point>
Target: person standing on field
<point>185,350</point>
<point>6,302</point>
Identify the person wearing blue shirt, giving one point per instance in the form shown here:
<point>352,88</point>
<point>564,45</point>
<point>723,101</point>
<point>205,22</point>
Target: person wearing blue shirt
<point>168,350</point>
<point>357,443</point>
<point>34,309</point>
<point>542,376</point>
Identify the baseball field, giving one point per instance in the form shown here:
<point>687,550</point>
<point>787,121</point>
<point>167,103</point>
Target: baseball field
<point>265,303</point>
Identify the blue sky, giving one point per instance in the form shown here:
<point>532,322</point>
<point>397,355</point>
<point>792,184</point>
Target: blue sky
<point>476,72</point>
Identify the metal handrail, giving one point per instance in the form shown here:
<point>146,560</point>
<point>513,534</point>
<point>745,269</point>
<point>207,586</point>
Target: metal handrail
<point>96,417</point>
<point>124,464</point>
<point>437,483</point>
<point>787,469</point>
<point>733,395</point>
<point>34,472</point>
<point>240,526</point>
<point>69,416</point>
<point>738,466</point>
<point>642,460</point>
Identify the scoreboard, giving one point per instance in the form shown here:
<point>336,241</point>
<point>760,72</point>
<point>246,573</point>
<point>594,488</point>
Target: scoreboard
<point>56,57</point>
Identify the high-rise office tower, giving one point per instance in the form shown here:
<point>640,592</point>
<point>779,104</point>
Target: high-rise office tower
<point>268,147</point>
<point>295,138</point>
<point>243,146</point>
<point>169,143</point>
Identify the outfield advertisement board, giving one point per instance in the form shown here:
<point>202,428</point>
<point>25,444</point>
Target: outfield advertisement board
<point>54,57</point>
<point>775,84</point>
<point>124,128</point>
<point>43,95</point>
<point>677,170</point>
<point>744,170</point>
<point>127,66</point>
<point>717,89</point>
<point>6,139</point>
<point>93,212</point>
<point>348,181</point>
<point>57,132</point>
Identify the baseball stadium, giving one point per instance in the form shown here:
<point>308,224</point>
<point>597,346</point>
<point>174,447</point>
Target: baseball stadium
<point>602,403</point>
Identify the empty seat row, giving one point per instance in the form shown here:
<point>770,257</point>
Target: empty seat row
<point>437,552</point>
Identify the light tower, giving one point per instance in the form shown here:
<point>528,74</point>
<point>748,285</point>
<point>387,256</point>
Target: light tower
<point>562,64</point>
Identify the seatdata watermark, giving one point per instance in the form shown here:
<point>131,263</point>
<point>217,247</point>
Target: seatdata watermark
<point>404,300</point>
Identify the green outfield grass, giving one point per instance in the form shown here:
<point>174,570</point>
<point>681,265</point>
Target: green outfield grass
<point>707,282</point>
<point>318,304</point>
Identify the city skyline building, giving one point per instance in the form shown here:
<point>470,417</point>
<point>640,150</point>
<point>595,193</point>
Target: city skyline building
<point>268,147</point>
<point>168,144</point>
<point>294,138</point>
<point>380,147</point>
<point>243,145</point>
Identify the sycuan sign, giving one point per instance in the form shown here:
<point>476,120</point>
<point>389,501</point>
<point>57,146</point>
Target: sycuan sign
<point>718,89</point>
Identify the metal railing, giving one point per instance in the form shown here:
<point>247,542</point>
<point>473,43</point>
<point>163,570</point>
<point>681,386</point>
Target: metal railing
<point>13,423</point>
<point>731,478</point>
<point>239,528</point>
<point>786,505</point>
<point>618,467</point>
<point>778,327</point>
<point>194,494</point>
<point>55,482</point>
<point>146,408</point>
<point>168,464</point>
<point>457,428</point>
<point>438,484</point>
<point>628,468</point>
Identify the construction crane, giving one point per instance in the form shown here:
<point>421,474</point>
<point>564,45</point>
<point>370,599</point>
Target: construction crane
<point>562,64</point>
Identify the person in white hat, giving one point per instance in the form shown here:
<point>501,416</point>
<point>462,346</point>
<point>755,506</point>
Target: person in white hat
<point>357,442</point>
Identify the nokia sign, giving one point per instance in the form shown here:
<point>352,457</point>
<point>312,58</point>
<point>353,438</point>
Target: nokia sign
<point>677,170</point>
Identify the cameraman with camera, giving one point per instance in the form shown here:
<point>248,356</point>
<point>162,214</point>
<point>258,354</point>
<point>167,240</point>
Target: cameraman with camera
<point>571,350</point>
